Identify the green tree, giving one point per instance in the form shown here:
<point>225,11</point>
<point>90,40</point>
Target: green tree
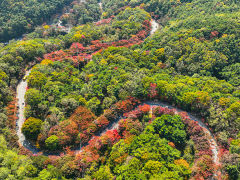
<point>3,119</point>
<point>36,79</point>
<point>103,173</point>
<point>152,167</point>
<point>52,142</point>
<point>33,97</point>
<point>14,166</point>
<point>31,128</point>
<point>50,173</point>
<point>171,128</point>
<point>94,105</point>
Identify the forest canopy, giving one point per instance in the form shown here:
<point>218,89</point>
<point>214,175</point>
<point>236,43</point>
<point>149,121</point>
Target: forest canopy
<point>120,89</point>
<point>21,16</point>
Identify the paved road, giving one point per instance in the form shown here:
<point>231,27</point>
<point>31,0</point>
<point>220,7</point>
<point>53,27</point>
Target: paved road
<point>155,26</point>
<point>21,90</point>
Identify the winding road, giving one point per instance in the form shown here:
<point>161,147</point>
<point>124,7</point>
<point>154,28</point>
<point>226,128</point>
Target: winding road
<point>21,90</point>
<point>212,141</point>
<point>154,26</point>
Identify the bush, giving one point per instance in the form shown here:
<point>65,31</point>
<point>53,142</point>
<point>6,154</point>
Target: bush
<point>171,128</point>
<point>103,173</point>
<point>31,128</point>
<point>52,142</point>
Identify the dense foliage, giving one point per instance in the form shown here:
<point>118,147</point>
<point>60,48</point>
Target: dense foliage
<point>82,13</point>
<point>31,127</point>
<point>77,13</point>
<point>86,88</point>
<point>19,17</point>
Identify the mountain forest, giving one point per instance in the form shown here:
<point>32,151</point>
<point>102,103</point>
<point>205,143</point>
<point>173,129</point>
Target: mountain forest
<point>119,89</point>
